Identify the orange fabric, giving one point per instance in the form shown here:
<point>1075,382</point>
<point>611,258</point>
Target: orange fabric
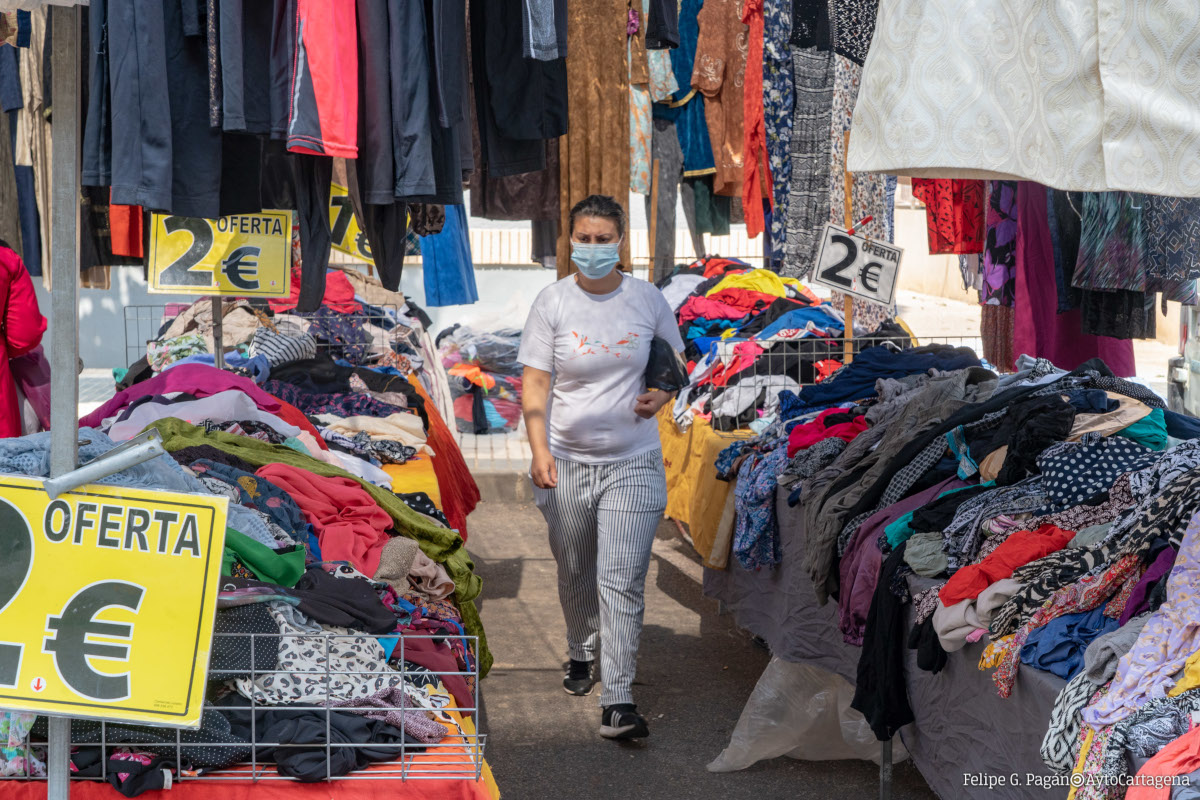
<point>474,374</point>
<point>243,789</point>
<point>756,176</point>
<point>454,756</point>
<point>125,223</point>
<point>460,494</point>
<point>722,266</point>
<point>1180,757</point>
<point>1017,550</point>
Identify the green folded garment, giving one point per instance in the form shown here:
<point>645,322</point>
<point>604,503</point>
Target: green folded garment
<point>280,567</point>
<point>1150,431</point>
<point>443,545</point>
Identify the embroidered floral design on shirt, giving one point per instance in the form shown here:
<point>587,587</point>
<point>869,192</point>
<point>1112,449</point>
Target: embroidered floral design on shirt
<point>588,346</point>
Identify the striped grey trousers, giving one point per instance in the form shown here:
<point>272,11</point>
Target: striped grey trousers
<point>602,519</point>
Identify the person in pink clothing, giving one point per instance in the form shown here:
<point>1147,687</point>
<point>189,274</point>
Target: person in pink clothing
<point>21,329</point>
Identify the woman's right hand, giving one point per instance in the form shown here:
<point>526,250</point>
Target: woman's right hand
<point>544,471</point>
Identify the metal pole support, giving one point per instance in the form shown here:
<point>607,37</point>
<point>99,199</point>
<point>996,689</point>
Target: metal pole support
<point>218,334</point>
<point>885,770</point>
<point>143,447</point>
<point>66,123</point>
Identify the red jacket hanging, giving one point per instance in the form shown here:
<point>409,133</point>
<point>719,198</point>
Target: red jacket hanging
<point>954,214</point>
<point>21,329</point>
<point>756,180</point>
<point>323,112</point>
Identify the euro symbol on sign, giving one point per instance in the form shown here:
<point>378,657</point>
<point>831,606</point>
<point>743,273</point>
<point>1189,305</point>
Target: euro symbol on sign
<point>363,245</point>
<point>239,261</point>
<point>870,275</point>
<point>75,631</point>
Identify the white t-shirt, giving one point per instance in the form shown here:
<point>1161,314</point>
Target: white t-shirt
<point>596,347</point>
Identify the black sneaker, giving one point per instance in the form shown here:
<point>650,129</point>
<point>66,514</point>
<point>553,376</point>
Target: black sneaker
<point>579,679</point>
<point>622,721</point>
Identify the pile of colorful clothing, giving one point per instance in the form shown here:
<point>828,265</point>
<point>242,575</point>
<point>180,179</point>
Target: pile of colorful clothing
<point>751,334</point>
<point>1052,516</point>
<point>347,513</point>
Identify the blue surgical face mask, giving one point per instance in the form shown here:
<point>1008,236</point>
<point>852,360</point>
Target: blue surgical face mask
<point>595,261</point>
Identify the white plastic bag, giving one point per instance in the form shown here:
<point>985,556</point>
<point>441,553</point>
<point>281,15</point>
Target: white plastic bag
<point>803,712</point>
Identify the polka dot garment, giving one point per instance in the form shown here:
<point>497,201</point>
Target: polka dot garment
<point>231,654</point>
<point>1074,472</point>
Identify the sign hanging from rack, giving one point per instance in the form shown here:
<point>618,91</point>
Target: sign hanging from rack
<point>864,268</point>
<point>347,237</point>
<point>107,597</point>
<point>244,255</point>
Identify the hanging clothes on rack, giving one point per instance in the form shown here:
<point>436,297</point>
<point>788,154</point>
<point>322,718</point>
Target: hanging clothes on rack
<point>28,216</point>
<point>517,177</point>
<point>954,214</point>
<point>808,207</point>
<point>722,50</point>
<point>519,102</point>
<point>544,29</point>
<point>323,107</point>
<point>871,194</point>
<point>244,75</point>
<point>778,105</point>
<point>640,129</point>
<point>756,175</point>
<point>594,153</point>
<point>449,270</point>
<point>681,145</point>
<point>32,146</point>
<point>1038,329</point>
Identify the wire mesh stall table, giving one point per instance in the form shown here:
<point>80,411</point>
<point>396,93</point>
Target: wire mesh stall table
<point>296,707</point>
<point>147,323</point>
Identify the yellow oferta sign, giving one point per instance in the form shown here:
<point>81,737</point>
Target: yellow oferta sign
<point>107,597</point>
<point>245,255</point>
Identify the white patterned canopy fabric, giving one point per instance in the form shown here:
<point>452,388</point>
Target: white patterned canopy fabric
<point>1083,95</point>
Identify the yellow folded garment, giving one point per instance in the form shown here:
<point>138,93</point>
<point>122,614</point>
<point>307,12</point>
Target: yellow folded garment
<point>415,476</point>
<point>695,495</point>
<point>1190,678</point>
<point>755,280</point>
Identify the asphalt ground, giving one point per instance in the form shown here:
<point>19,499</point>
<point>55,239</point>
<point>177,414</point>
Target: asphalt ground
<point>696,670</point>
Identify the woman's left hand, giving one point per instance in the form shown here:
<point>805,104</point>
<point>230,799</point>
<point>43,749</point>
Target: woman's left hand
<point>649,403</point>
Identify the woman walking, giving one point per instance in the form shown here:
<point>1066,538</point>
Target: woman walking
<point>597,461</point>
